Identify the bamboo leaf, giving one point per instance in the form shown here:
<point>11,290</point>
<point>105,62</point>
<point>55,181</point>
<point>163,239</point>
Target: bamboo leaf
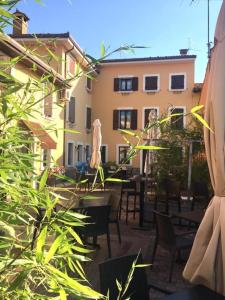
<point>19,281</point>
<point>127,132</point>
<point>75,235</point>
<point>116,180</point>
<point>54,247</point>
<point>62,294</point>
<point>102,49</point>
<point>40,243</point>
<point>145,147</point>
<point>201,120</point>
<point>43,180</point>
<point>196,108</point>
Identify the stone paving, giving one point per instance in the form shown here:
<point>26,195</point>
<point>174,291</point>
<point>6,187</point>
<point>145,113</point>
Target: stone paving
<point>133,240</point>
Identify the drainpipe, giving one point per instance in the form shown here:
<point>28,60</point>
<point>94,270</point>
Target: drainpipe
<point>64,135</point>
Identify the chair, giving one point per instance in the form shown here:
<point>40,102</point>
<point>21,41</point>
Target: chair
<point>168,239</point>
<point>172,188</point>
<point>200,194</point>
<point>130,189</point>
<point>97,223</point>
<point>117,270</point>
<point>114,212</point>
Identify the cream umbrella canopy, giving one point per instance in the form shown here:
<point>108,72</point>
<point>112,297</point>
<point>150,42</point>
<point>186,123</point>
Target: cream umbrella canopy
<point>206,264</point>
<point>97,142</point>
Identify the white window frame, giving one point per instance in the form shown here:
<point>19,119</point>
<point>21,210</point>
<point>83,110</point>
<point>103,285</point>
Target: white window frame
<point>87,88</point>
<point>42,167</point>
<point>158,83</point>
<point>82,154</point>
<point>143,113</point>
<point>86,151</point>
<point>184,112</point>
<point>106,152</point>
<point>125,76</point>
<point>67,148</point>
<point>117,154</point>
<point>185,82</point>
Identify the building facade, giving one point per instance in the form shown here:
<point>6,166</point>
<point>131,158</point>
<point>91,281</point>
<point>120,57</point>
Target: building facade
<point>126,90</point>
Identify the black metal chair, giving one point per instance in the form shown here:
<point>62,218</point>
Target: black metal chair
<point>200,194</point>
<point>172,188</point>
<point>117,270</point>
<point>114,212</point>
<point>97,223</point>
<point>130,190</point>
<point>169,240</point>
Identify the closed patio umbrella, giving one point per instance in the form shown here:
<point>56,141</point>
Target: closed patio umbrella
<point>97,142</point>
<point>206,264</point>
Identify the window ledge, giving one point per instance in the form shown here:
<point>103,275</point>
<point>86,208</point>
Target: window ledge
<point>151,92</point>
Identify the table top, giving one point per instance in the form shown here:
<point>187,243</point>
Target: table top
<point>194,216</point>
<point>198,292</point>
<point>86,199</point>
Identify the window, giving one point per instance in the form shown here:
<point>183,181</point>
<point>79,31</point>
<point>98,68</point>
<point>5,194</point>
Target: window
<point>104,153</point>
<point>125,119</point>
<point>47,101</point>
<point>71,110</point>
<point>151,83</point>
<point>46,158</point>
<point>88,118</point>
<point>177,82</point>
<point>89,84</point>
<point>147,111</point>
<point>88,153</point>
<point>123,152</point>
<point>71,65</point>
<point>177,122</point>
<point>125,84</point>
<point>70,150</point>
<point>79,153</point>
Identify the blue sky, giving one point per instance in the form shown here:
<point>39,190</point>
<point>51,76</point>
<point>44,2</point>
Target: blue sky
<point>165,26</point>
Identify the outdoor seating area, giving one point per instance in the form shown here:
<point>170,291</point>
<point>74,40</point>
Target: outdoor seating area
<point>124,220</point>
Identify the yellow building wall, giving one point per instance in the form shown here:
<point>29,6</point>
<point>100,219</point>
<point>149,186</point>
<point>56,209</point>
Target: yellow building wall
<point>105,100</point>
<point>54,123</point>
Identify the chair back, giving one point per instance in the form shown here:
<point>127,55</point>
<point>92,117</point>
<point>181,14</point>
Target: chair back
<point>97,221</point>
<point>115,206</point>
<point>118,269</point>
<point>172,187</point>
<point>129,185</point>
<point>164,230</point>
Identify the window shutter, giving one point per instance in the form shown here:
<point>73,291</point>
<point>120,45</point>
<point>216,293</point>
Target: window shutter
<point>88,118</point>
<point>134,119</point>
<point>135,84</point>
<point>72,110</point>
<point>48,106</point>
<point>115,119</point>
<point>116,84</point>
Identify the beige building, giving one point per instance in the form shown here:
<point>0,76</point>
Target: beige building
<point>63,54</point>
<point>126,90</point>
<point>47,109</point>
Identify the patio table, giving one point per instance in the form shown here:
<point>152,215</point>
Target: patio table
<point>198,292</point>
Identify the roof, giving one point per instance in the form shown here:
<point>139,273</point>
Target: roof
<point>18,13</point>
<point>150,58</point>
<point>12,48</point>
<point>40,35</point>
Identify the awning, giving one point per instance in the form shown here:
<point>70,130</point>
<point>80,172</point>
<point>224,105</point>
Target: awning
<point>46,141</point>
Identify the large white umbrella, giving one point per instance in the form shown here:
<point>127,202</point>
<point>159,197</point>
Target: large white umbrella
<point>206,264</point>
<point>96,147</point>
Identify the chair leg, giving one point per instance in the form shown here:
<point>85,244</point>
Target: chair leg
<point>118,231</point>
<point>121,202</point>
<point>134,207</point>
<point>109,245</point>
<point>173,255</point>
<point>127,207</point>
